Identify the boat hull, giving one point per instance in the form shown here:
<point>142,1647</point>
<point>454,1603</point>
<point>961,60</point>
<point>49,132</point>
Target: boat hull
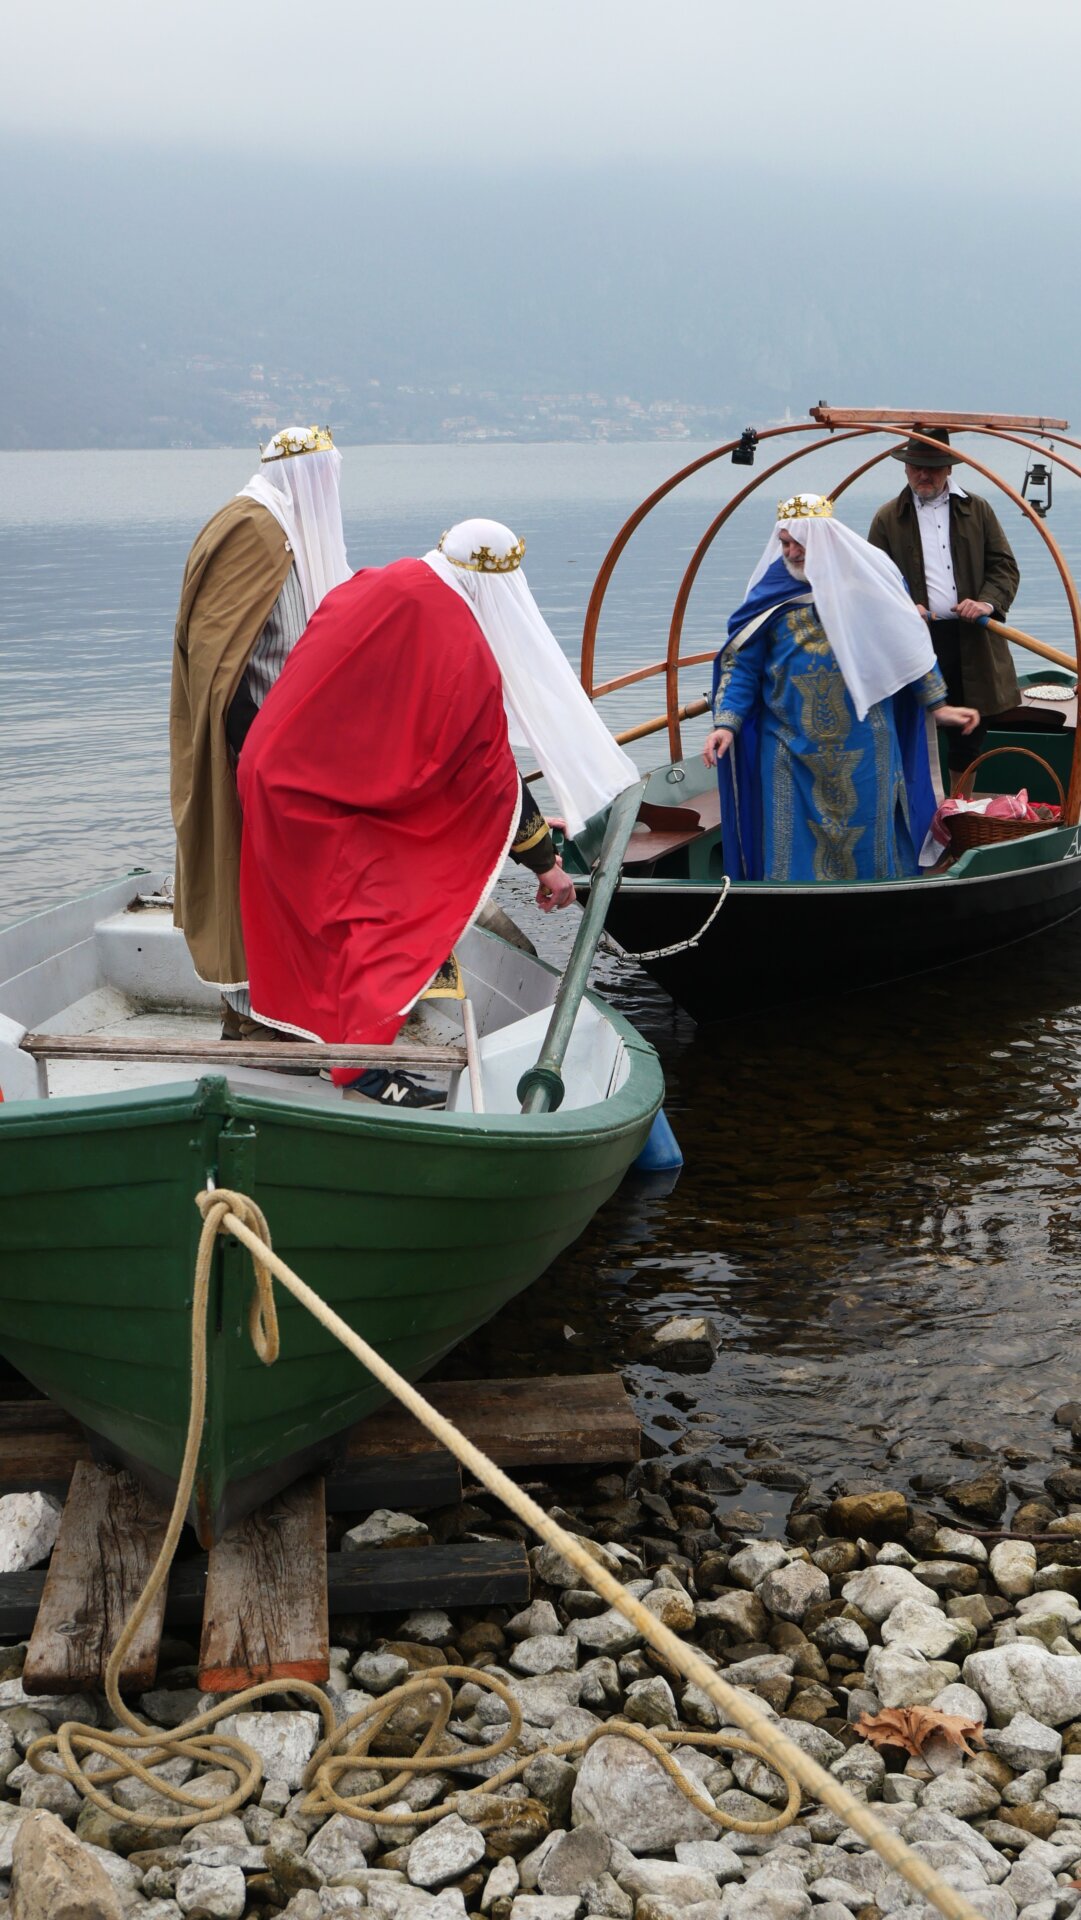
<point>775,945</point>
<point>415,1231</point>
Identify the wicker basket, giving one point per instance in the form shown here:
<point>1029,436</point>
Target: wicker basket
<point>968,830</point>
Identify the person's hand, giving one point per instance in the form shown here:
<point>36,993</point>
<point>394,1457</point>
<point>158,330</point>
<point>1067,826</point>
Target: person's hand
<point>922,610</point>
<point>717,745</point>
<point>554,888</point>
<point>973,609</point>
<point>966,718</point>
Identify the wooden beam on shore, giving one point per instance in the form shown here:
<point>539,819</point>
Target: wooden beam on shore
<point>111,1532</point>
<point>482,1573</point>
<point>574,1419</point>
<point>265,1610</point>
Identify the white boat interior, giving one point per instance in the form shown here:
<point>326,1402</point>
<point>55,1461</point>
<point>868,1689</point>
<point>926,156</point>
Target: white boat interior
<point>112,966</point>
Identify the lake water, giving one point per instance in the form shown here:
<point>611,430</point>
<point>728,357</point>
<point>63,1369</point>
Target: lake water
<point>879,1200</point>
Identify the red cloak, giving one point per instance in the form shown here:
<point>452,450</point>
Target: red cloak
<point>379,796</point>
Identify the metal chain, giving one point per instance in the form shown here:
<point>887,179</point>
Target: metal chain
<point>678,946</point>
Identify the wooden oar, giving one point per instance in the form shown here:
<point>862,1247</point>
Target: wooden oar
<point>1034,646</point>
<point>540,1089</point>
<point>224,1054</point>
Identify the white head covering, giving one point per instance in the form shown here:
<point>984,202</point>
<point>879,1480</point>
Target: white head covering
<point>547,705</point>
<point>298,483</point>
<point>881,643</point>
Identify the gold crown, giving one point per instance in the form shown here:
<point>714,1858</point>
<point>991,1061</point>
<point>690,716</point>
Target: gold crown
<point>805,506</point>
<point>294,440</point>
<point>483,560</point>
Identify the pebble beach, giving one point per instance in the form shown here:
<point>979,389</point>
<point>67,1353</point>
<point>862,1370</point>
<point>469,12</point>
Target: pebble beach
<point>876,1598</point>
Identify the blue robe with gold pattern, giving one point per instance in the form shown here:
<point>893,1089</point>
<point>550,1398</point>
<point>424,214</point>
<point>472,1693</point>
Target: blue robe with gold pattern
<point>808,791</point>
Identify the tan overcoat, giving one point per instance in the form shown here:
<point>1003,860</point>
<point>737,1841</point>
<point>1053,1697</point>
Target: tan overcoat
<point>234,574</point>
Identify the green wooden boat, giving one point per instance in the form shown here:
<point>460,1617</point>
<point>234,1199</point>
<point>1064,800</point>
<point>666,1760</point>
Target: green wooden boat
<point>416,1226</point>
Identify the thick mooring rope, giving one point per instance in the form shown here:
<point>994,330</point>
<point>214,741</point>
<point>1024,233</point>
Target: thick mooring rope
<point>132,1753</point>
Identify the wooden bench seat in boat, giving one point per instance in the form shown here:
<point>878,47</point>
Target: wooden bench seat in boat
<point>662,830</point>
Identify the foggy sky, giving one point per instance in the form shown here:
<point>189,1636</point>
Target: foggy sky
<point>973,92</point>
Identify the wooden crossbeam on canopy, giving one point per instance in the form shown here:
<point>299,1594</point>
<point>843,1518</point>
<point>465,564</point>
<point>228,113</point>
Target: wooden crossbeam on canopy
<point>827,416</point>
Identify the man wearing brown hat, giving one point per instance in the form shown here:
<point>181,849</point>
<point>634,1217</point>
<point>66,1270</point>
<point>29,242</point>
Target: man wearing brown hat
<point>959,567</point>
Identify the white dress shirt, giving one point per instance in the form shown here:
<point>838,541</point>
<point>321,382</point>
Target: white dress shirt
<point>933,520</point>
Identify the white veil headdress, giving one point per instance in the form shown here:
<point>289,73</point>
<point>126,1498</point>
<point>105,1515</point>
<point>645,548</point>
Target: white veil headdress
<point>547,706</point>
<point>298,483</point>
<point>880,642</point>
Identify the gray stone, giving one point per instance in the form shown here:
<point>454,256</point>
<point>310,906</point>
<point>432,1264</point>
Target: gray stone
<point>915,1627</point>
<point>428,1626</point>
<point>342,1845</point>
<point>960,1699</point>
<point>1013,1568</point>
<point>545,1906</point>
<point>545,1653</point>
<point>502,1883</point>
<point>932,1825</point>
<point>1065,1797</point>
<point>903,1679</point>
<point>55,1877</point>
<point>753,1902</point>
<point>1024,1678</point>
<point>575,1858</point>
<point>53,1708</point>
<point>861,1766</point>
<point>442,1852</point>
<point>964,1794</point>
<point>688,1342</point>
<point>623,1790</point>
<point>284,1741</point>
<point>605,1898</point>
<point>544,1698</point>
<point>740,1613</point>
<point>29,1524</point>
<point>550,1565</point>
<point>762,1666</point>
<point>215,1891</point>
<point>383,1528</point>
<point>651,1703</point>
<point>955,1545</point>
<point>539,1617</point>
<point>670,1880</point>
<point>607,1633</point>
<point>1025,1743</point>
<point>749,1567</point>
<point>672,1606</point>
<point>788,1591</point>
<point>838,1635</point>
<point>710,1856</point>
<point>379,1673</point>
<point>877,1590</point>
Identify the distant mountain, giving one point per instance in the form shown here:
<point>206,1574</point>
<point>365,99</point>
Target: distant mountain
<point>154,300</point>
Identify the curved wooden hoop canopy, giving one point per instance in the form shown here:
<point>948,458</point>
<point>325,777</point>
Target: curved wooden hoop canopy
<point>841,424</point>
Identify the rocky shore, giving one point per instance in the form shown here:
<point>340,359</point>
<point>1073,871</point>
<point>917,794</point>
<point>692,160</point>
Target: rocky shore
<point>876,1601</point>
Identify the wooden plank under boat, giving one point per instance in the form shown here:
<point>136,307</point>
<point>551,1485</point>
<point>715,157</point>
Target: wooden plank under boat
<point>415,1225</point>
<point>772,944</point>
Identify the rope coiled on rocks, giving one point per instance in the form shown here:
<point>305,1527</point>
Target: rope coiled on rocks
<point>136,1748</point>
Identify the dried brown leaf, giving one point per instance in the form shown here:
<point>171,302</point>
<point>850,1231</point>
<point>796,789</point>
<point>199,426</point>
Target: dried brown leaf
<point>912,1728</point>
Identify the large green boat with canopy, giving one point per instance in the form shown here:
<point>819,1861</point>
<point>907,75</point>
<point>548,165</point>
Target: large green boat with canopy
<point>714,941</point>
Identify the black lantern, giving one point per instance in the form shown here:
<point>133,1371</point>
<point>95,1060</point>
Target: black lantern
<point>743,455</point>
<point>1038,477</point>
